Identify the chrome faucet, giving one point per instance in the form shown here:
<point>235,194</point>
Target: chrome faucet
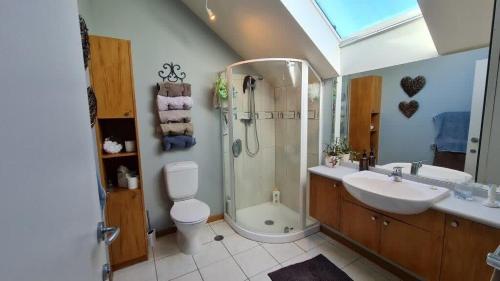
<point>397,174</point>
<point>415,166</point>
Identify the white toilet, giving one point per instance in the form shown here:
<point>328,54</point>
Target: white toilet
<point>189,214</point>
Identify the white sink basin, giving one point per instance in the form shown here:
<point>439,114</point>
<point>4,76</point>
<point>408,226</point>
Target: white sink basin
<point>381,192</point>
<point>433,172</point>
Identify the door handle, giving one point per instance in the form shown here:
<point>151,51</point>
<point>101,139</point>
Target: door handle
<point>107,234</point>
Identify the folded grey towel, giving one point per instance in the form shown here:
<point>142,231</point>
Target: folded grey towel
<point>170,116</point>
<point>177,129</point>
<point>169,89</point>
<point>171,103</point>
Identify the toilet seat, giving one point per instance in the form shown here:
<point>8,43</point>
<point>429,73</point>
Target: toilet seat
<point>189,211</point>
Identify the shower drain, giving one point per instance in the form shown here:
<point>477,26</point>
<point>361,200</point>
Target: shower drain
<point>269,222</point>
<point>218,238</point>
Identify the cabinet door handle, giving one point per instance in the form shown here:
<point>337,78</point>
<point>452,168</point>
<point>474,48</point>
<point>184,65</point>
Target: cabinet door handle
<point>386,223</point>
<point>127,113</point>
<point>373,218</point>
<point>334,185</point>
<point>454,224</point>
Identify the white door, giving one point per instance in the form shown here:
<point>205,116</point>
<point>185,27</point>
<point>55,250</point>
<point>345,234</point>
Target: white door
<point>476,116</point>
<point>49,206</point>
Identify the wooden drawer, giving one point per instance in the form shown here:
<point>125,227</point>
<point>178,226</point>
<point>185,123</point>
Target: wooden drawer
<point>429,220</point>
<point>361,225</point>
<point>324,200</point>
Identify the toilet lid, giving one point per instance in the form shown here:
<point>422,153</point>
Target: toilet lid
<point>189,211</point>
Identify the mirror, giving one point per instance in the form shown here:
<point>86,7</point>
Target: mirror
<point>427,112</point>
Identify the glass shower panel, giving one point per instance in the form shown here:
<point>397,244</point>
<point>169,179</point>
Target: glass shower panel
<point>313,128</point>
<point>266,133</point>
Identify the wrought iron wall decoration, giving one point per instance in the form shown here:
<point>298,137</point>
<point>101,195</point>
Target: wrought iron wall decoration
<point>172,73</point>
<point>412,86</point>
<point>408,108</point>
<point>84,33</point>
<point>92,106</point>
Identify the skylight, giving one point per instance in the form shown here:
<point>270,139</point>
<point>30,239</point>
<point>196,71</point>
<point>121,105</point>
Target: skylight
<point>350,17</point>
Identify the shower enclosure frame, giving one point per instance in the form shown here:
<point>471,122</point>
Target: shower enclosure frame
<point>230,213</point>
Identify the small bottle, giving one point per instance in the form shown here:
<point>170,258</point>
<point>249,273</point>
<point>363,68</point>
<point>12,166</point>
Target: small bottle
<point>363,162</point>
<point>371,158</point>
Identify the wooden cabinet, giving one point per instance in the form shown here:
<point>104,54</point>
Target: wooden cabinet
<point>411,247</point>
<point>125,208</point>
<point>364,113</point>
<point>361,225</point>
<point>324,204</point>
<point>111,77</point>
<point>466,245</point>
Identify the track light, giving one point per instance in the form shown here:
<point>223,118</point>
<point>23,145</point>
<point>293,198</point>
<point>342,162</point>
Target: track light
<point>211,14</point>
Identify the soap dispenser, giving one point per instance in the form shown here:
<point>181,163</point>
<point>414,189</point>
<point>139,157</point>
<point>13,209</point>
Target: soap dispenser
<point>363,162</point>
<point>371,158</point>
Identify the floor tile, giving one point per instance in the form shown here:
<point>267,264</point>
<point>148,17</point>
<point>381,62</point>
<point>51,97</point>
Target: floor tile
<point>211,253</point>
<point>193,276</point>
<point>263,275</point>
<point>359,271</point>
<point>310,242</point>
<point>372,266</point>
<point>297,259</point>
<point>283,252</point>
<point>144,271</point>
<point>223,270</point>
<point>237,244</point>
<point>174,266</point>
<point>222,228</point>
<point>166,246</point>
<point>255,260</point>
<point>340,256</point>
<point>207,234</point>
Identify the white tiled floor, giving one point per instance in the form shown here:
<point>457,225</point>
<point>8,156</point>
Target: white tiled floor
<point>237,258</point>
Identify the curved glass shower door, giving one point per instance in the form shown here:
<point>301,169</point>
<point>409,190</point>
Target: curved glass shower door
<point>266,145</point>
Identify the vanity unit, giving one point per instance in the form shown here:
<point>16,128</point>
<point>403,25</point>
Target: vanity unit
<point>112,81</point>
<point>433,244</point>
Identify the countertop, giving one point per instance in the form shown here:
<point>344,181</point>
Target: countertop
<point>473,210</point>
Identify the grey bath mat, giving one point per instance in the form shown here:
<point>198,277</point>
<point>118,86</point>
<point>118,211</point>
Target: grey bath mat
<point>318,268</point>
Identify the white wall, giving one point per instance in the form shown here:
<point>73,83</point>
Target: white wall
<point>406,43</point>
<point>48,207</point>
<point>162,31</point>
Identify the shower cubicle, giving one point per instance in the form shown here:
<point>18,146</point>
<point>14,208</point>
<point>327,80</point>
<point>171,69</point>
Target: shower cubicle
<point>271,134</point>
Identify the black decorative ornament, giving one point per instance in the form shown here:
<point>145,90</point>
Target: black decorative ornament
<point>172,73</point>
<point>84,33</point>
<point>408,108</point>
<point>92,106</point>
<point>412,86</point>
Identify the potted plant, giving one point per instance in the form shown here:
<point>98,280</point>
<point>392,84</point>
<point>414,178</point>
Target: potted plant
<point>343,149</point>
<point>330,155</point>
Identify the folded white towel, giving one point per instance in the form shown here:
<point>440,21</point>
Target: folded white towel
<point>170,103</point>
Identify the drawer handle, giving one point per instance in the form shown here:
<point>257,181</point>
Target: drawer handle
<point>374,218</point>
<point>127,113</point>
<point>454,224</point>
<point>386,223</point>
<point>334,185</point>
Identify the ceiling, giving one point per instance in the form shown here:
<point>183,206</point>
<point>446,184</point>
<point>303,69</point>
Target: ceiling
<point>458,25</point>
<point>262,29</point>
<point>295,29</point>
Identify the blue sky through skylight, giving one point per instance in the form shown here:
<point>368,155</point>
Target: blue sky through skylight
<point>352,16</point>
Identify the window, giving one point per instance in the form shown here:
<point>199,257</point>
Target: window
<point>351,17</point>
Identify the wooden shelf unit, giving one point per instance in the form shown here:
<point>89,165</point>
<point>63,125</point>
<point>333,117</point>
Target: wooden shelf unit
<point>364,112</point>
<point>112,81</point>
